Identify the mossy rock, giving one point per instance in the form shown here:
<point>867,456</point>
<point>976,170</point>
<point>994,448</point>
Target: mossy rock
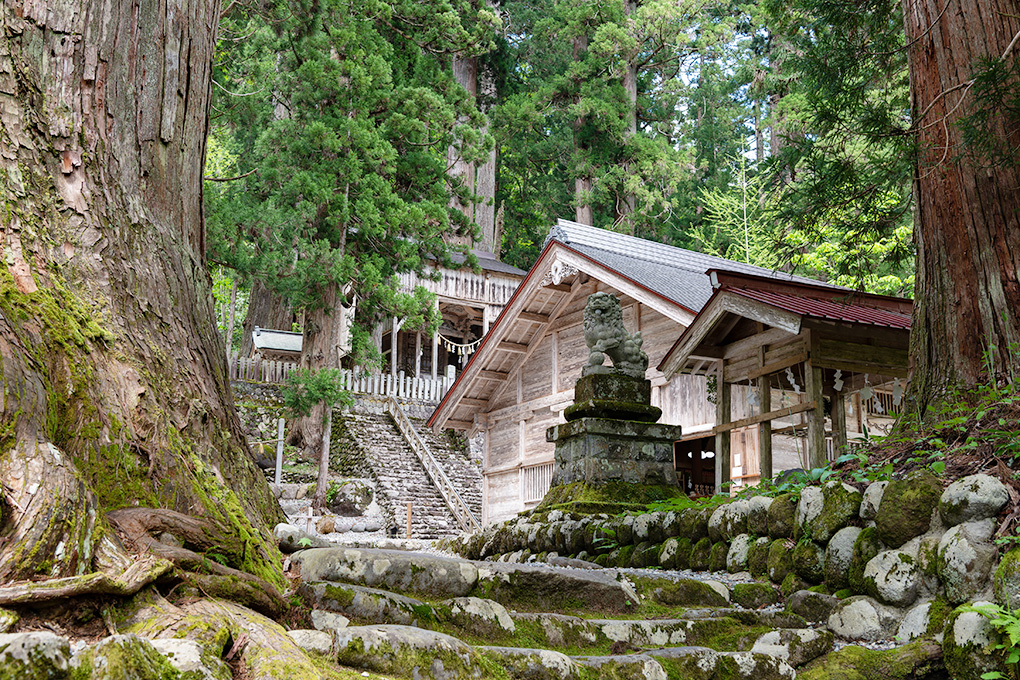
<point>624,556</point>
<point>700,554</point>
<point>793,583</point>
<point>754,595</point>
<point>610,498</point>
<point>646,554</point>
<point>841,506</point>
<point>34,656</point>
<point>907,507</point>
<point>782,516</point>
<point>693,523</point>
<point>920,659</point>
<point>866,547</point>
<point>809,561</point>
<point>717,556</point>
<point>124,657</point>
<point>686,593</point>
<point>667,554</point>
<point>969,646</point>
<point>682,557</point>
<point>779,562</point>
<point>1006,580</point>
<point>758,558</point>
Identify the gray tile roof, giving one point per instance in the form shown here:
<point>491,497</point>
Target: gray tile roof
<point>672,272</point>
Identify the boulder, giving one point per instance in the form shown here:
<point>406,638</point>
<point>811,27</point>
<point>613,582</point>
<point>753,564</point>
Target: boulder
<point>919,659</point>
<point>313,641</point>
<point>758,558</point>
<point>736,557</point>
<point>700,552</point>
<point>408,652</point>
<point>838,555</point>
<point>758,515</point>
<point>648,527</point>
<point>656,633</point>
<point>192,660</point>
<point>1006,579</point>
<point>791,584</point>
<point>389,569</point>
<point>325,620</point>
<point>865,548</point>
<point>559,630</point>
<point>862,618</point>
<point>966,557</point>
<point>671,524</point>
<point>795,646</point>
<point>809,508</point>
<point>557,587</point>
<point>637,666</point>
<point>34,655</point>
<point>808,560</point>
<point>814,607</point>
<point>694,523</point>
<point>969,645</point>
<point>7,620</point>
<point>782,516</point>
<point>364,604</point>
<point>871,500</point>
<point>717,556</point>
<point>701,663</point>
<point>682,559</point>
<point>892,578</point>
<point>779,561</point>
<point>921,620</point>
<point>293,539</point>
<point>754,595</point>
<point>349,498</point>
<point>841,504</point>
<point>533,664</point>
<point>972,498</point>
<point>480,617</point>
<point>907,508</point>
<point>728,521</point>
<point>667,554</point>
<point>690,593</point>
<point>118,657</point>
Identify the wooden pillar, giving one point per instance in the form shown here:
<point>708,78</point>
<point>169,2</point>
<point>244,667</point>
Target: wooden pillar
<point>485,316</point>
<point>723,473</point>
<point>815,417</point>
<point>765,428</point>
<point>838,424</point>
<point>417,354</point>
<point>393,347</point>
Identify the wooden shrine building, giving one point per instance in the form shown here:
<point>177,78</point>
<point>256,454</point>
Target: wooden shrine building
<point>802,355</point>
<point>522,375</point>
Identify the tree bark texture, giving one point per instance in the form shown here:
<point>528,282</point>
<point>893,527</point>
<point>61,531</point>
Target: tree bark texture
<point>115,390</point>
<point>967,217</point>
<point>266,309</point>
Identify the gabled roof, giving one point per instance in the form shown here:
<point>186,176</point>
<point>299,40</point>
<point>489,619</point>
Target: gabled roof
<point>672,272</point>
<point>670,280</point>
<point>783,305</point>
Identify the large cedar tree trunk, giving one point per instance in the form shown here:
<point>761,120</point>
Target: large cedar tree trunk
<point>266,309</point>
<point>967,225</point>
<point>115,392</point>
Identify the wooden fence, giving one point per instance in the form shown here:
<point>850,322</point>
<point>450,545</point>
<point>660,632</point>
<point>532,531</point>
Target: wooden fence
<point>377,384</point>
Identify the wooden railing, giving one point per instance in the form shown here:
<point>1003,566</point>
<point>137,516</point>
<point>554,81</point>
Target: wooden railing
<point>535,481</point>
<point>465,518</point>
<point>377,384</point>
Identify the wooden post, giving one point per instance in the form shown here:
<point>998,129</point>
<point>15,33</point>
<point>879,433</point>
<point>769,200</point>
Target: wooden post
<point>723,472</point>
<point>815,417</point>
<point>838,424</point>
<point>417,354</point>
<point>409,519</point>
<point>435,355</point>
<point>279,450</point>
<point>765,429</point>
<point>393,347</point>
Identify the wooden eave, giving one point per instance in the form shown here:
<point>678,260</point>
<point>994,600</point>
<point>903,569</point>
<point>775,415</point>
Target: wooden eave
<point>533,310</point>
<point>719,339</point>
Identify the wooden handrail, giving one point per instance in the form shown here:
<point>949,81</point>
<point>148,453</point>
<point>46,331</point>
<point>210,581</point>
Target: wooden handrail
<point>461,512</point>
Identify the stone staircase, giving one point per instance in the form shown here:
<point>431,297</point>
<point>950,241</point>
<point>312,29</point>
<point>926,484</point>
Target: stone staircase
<point>402,479</point>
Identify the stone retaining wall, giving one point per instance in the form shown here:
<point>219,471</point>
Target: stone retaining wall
<point>901,556</point>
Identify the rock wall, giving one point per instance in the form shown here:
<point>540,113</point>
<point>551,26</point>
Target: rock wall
<point>899,557</point>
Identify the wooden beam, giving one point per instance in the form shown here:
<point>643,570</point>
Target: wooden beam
<point>493,375</point>
<point>561,287</point>
<point>778,366</point>
<point>836,350</point>
<point>753,342</point>
<point>515,347</point>
<point>471,401</point>
<point>458,425</point>
<point>763,417</point>
<point>863,367</point>
<point>723,471</point>
<point>816,416</point>
<point>534,317</point>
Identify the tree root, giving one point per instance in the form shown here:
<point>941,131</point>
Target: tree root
<point>139,574</point>
<point>208,575</point>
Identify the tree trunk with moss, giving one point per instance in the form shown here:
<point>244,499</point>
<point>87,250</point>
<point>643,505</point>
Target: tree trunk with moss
<point>114,375</point>
<point>966,325</point>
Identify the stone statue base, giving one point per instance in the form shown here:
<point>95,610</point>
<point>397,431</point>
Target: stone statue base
<point>601,450</point>
<point>612,435</point>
